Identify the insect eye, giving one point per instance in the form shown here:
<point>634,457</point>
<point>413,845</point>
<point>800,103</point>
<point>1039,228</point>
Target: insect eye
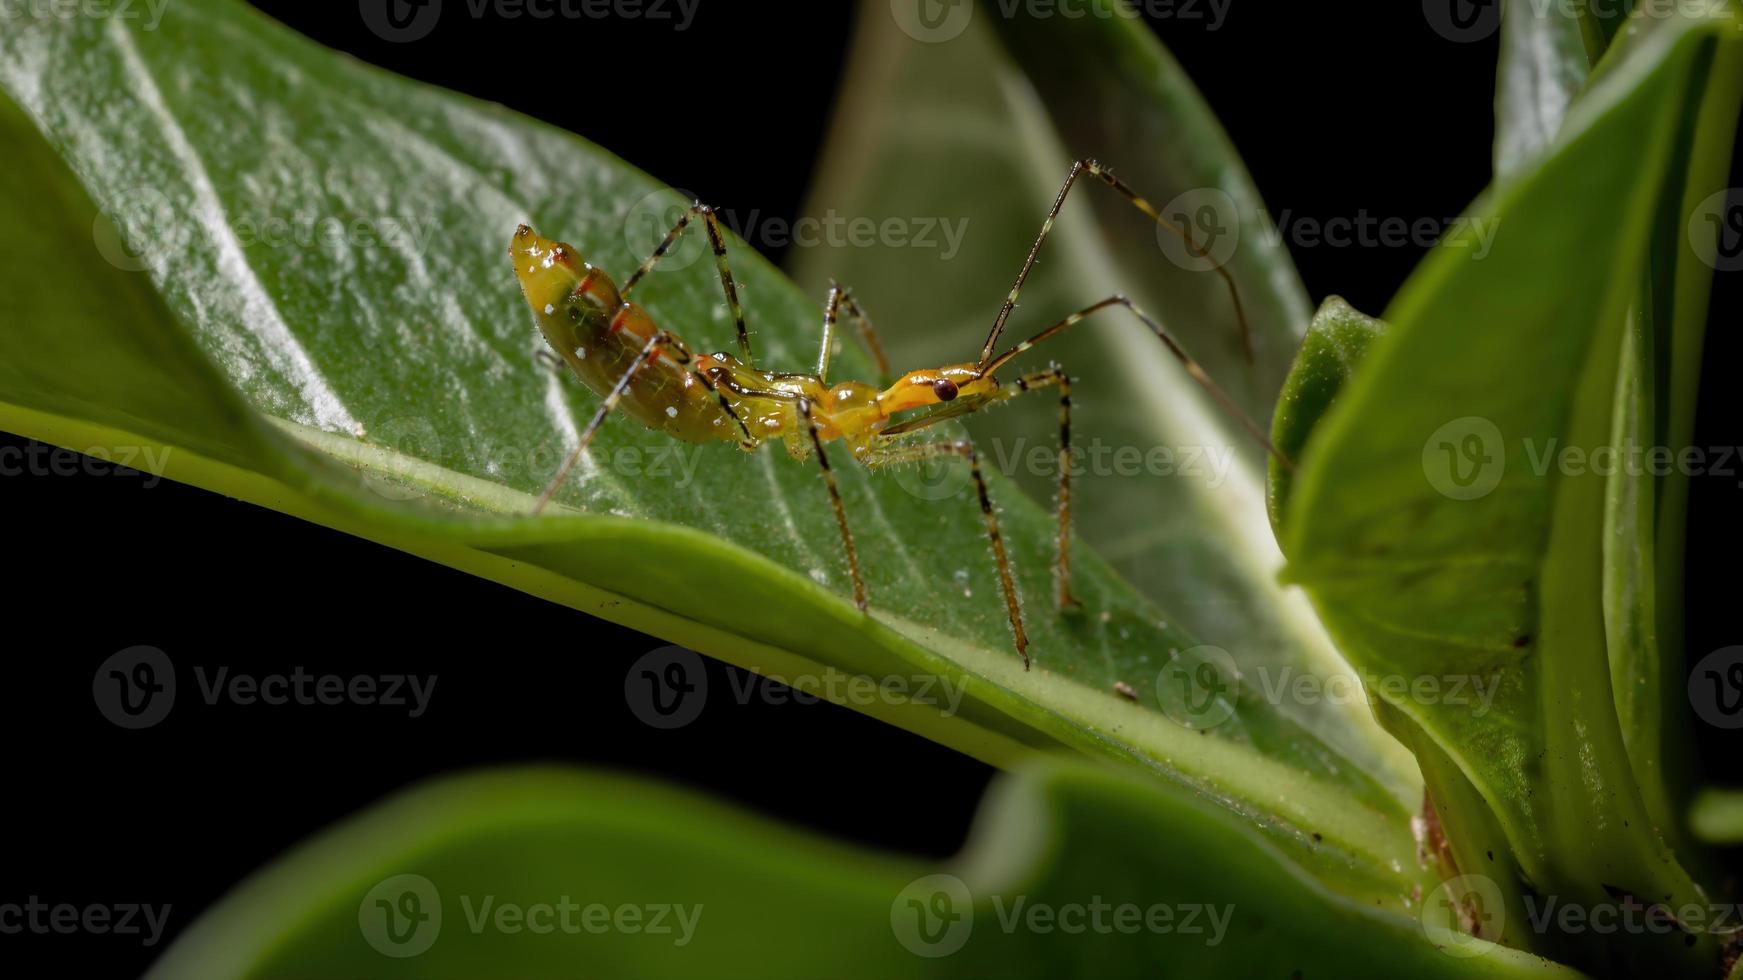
<point>945,389</point>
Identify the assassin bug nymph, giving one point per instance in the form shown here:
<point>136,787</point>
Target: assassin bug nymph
<point>617,350</point>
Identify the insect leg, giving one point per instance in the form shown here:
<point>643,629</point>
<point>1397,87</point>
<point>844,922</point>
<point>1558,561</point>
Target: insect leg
<point>715,242</point>
<point>664,340</point>
<point>890,453</point>
<point>1054,376</point>
<point>842,298</point>
<point>1192,367</point>
<point>1101,173</point>
<point>810,422</point>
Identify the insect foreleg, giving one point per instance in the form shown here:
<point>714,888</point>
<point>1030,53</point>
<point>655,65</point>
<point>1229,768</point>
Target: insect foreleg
<point>1054,376</point>
<point>1101,173</point>
<point>716,242</point>
<point>890,452</point>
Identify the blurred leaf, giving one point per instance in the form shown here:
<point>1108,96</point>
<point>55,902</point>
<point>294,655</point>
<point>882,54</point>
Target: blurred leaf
<point>1071,871</point>
<point>1717,817</point>
<point>297,285</point>
<point>1437,537</point>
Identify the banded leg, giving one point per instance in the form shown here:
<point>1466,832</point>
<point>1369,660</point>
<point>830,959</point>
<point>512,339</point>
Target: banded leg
<point>1101,173</point>
<point>1192,367</point>
<point>664,340</point>
<point>1054,376</point>
<point>839,299</point>
<point>891,453</point>
<point>859,598</point>
<point>715,242</point>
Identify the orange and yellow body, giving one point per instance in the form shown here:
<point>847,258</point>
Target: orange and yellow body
<point>599,335</point>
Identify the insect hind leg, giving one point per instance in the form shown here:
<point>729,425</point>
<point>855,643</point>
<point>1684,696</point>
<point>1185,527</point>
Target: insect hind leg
<point>664,340</point>
<point>717,243</point>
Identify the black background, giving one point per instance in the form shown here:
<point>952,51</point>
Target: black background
<point>1337,109</point>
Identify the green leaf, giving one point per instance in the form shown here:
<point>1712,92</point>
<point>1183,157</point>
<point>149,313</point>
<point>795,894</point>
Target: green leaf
<point>1337,342</point>
<point>1070,870</point>
<point>314,311</point>
<point>979,127</point>
<point>1437,536</point>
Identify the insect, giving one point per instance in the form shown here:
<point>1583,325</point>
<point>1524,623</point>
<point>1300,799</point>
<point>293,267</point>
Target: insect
<point>651,375</point>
